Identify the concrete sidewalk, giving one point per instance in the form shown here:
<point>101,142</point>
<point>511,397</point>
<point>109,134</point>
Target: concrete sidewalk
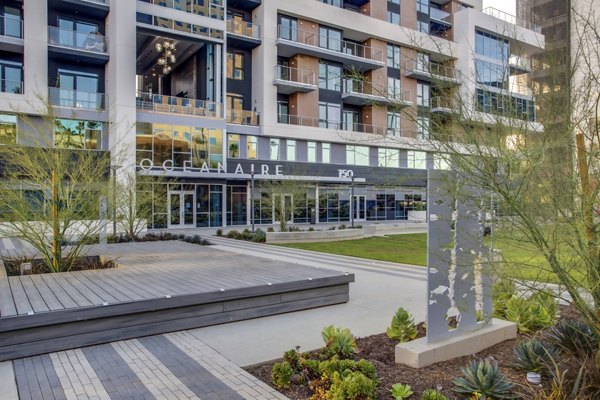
<point>379,290</point>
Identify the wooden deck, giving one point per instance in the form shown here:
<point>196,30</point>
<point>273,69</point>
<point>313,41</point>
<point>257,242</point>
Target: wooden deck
<point>159,287</point>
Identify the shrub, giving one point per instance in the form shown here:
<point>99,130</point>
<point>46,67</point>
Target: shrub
<point>574,337</point>
<point>219,232</point>
<point>331,228</point>
<point>502,291</point>
<point>400,391</point>
<point>533,313</point>
<point>403,326</point>
<point>432,394</point>
<point>233,234</point>
<point>281,375</point>
<point>352,386</point>
<point>270,229</point>
<point>311,229</point>
<point>342,227</point>
<point>292,357</point>
<point>533,356</point>
<point>329,367</point>
<point>197,239</point>
<point>484,378</point>
<point>338,341</point>
<point>259,236</point>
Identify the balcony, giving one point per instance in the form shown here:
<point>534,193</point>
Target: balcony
<point>519,65</point>
<point>75,45</point>
<point>361,93</point>
<point>152,23</point>
<point>432,72</point>
<point>198,7</point>
<point>159,103</point>
<point>77,99</point>
<point>293,80</point>
<point>242,117</point>
<point>325,124</point>
<point>442,105</point>
<point>95,8</point>
<point>360,57</point>
<point>8,86</point>
<point>11,27</point>
<point>243,34</point>
<point>440,17</point>
<point>512,19</point>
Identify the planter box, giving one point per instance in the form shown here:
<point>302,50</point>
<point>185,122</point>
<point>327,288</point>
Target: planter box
<point>417,216</point>
<point>314,236</point>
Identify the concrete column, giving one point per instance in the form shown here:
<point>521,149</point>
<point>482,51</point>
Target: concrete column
<point>35,59</point>
<point>224,207</point>
<point>120,83</point>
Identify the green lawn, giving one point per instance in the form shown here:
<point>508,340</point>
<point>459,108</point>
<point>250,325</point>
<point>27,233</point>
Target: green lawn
<point>523,261</point>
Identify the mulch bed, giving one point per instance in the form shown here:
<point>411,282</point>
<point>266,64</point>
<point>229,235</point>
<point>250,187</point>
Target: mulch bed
<point>84,263</point>
<point>379,349</point>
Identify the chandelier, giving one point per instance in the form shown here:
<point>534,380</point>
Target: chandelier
<point>166,50</point>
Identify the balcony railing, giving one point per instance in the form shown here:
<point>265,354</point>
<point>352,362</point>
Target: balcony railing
<point>198,7</point>
<point>440,103</point>
<point>512,19</point>
<point>243,28</point>
<point>76,99</point>
<point>85,41</point>
<point>295,75</point>
<point>521,63</point>
<point>328,43</point>
<point>360,87</point>
<point>9,86</point>
<point>178,105</point>
<point>439,15</point>
<point>242,117</point>
<point>327,124</point>
<point>431,68</point>
<point>11,27</point>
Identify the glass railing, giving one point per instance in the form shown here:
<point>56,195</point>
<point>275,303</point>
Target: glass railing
<point>85,41</point>
<point>76,99</point>
<point>432,68</point>
<point>297,75</point>
<point>242,117</point>
<point>329,43</point>
<point>442,102</point>
<point>329,124</point>
<point>512,19</point>
<point>357,86</point>
<point>178,26</point>
<point>199,7</point>
<point>95,1</point>
<point>522,63</point>
<point>11,27</point>
<point>439,15</point>
<point>243,28</point>
<point>9,86</point>
<point>178,105</point>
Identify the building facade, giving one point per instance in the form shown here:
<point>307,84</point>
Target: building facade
<point>215,95</point>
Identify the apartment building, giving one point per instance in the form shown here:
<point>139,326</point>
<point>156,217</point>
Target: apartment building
<point>212,96</point>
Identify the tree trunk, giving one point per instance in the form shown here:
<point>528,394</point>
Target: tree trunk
<point>55,221</point>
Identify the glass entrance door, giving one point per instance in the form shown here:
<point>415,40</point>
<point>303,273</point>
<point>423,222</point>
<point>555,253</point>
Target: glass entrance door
<point>359,206</point>
<point>181,209</point>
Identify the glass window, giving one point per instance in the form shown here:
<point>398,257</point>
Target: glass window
<point>491,46</point>
<point>357,155</point>
<point>423,6</point>
<point>311,155</point>
<point>423,126</point>
<point>330,38</point>
<point>325,153</point>
<point>215,147</point>
<point>78,90</point>
<point>235,65</point>
<point>495,75</point>
<point>422,62</point>
<point>274,144</point>
<point>75,134</point>
<point>350,121</point>
<point>423,95</point>
<point>393,123</point>
<point>329,115</point>
<point>394,88</point>
<point>234,145</point>
<point>393,17</point>
<point>337,3</point>
<point>291,150</point>
<point>12,22</point>
<point>330,77</point>
<point>393,56</point>
<point>288,28</point>
<point>252,148</point>
<point>11,77</point>
<point>416,159</point>
<point>441,161</point>
<point>423,26</point>
<point>8,129</point>
<point>283,110</point>
<point>389,158</point>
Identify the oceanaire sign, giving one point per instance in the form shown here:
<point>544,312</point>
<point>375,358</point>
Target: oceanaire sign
<point>146,164</point>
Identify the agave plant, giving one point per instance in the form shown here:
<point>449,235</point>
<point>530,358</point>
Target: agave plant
<point>485,379</point>
<point>403,326</point>
<point>534,356</point>
<point>574,337</point>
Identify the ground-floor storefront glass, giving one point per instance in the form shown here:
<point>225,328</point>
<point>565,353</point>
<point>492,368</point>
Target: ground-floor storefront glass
<point>203,204</point>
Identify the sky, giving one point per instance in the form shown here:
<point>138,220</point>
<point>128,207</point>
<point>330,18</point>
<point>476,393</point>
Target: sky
<point>508,6</point>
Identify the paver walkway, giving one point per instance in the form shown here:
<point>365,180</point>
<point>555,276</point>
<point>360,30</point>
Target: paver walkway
<point>170,366</point>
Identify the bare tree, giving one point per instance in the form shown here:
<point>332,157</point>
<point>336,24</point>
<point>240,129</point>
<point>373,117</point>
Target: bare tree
<point>284,197</point>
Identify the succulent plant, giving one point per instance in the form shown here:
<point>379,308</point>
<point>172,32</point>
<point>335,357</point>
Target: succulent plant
<point>338,341</point>
<point>281,375</point>
<point>485,379</point>
<point>533,356</point>
<point>432,394</point>
<point>400,391</point>
<point>574,337</point>
<point>403,326</point>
